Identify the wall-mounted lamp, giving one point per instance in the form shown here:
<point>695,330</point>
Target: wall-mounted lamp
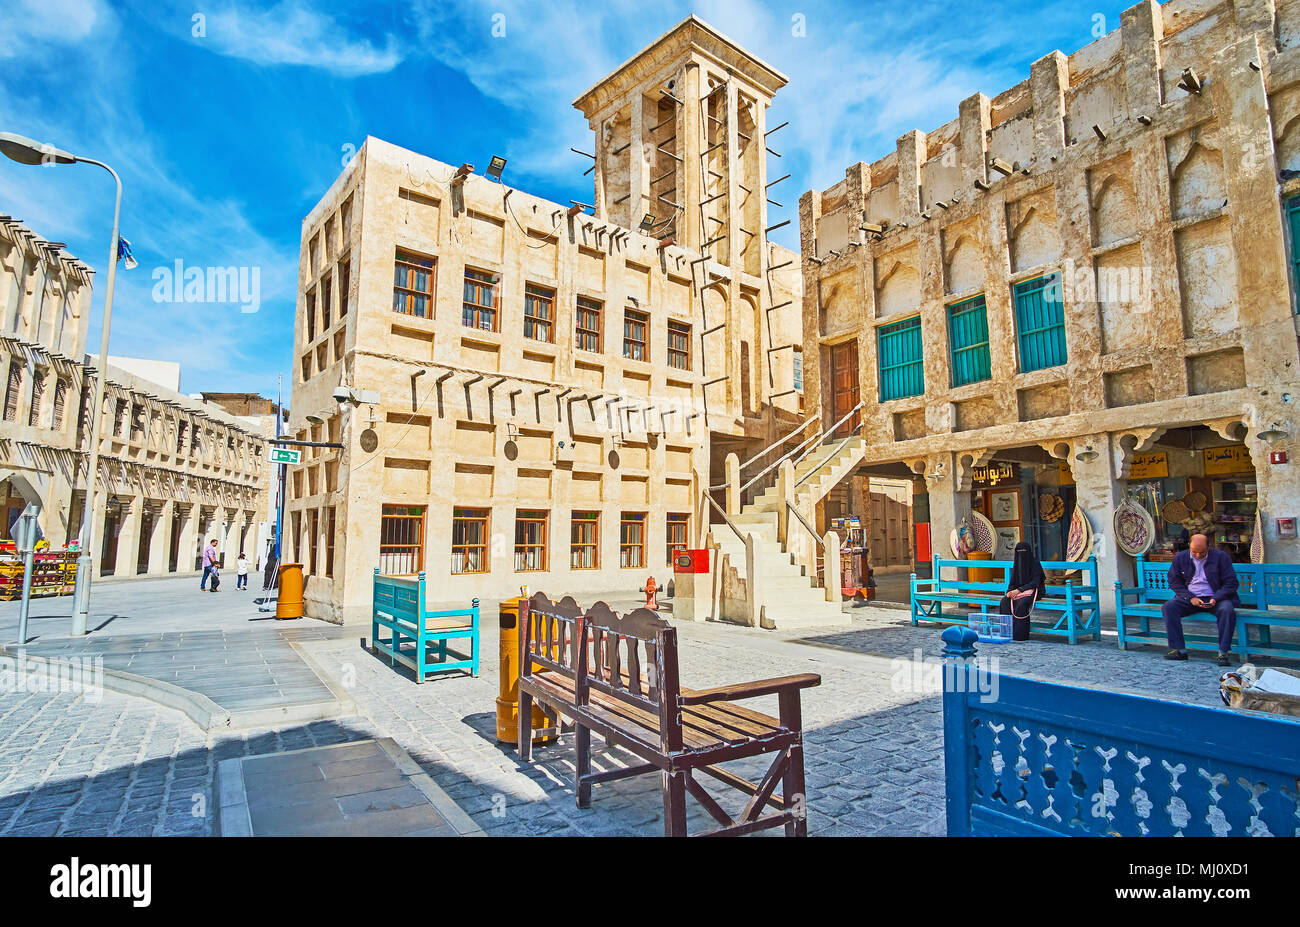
<point>495,167</point>
<point>1273,433</point>
<point>1087,455</point>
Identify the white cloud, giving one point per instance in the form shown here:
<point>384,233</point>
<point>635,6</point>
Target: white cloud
<point>33,25</point>
<point>292,33</point>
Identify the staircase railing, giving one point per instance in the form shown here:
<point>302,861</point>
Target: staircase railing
<point>723,512</point>
<point>829,457</point>
<point>780,442</point>
<point>818,544</point>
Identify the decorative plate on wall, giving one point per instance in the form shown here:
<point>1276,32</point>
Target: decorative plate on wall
<point>954,541</point>
<point>1050,507</point>
<point>983,535</point>
<point>1174,511</point>
<point>1135,530</point>
<point>1080,537</point>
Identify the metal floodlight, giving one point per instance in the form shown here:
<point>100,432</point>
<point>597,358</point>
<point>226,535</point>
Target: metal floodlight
<point>495,167</point>
<point>24,150</point>
<point>647,222</point>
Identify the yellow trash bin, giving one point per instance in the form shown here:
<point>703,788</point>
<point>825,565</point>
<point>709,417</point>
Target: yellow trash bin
<point>288,603</point>
<point>508,693</point>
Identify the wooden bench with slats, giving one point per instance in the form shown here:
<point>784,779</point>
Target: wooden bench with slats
<point>616,676</point>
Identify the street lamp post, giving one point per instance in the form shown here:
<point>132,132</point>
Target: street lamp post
<point>27,151</point>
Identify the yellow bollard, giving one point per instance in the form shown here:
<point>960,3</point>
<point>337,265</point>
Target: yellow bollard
<point>508,697</point>
<point>288,602</point>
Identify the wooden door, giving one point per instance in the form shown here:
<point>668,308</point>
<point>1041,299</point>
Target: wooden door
<point>844,385</point>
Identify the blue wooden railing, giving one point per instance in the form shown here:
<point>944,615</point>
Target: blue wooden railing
<point>1028,757</point>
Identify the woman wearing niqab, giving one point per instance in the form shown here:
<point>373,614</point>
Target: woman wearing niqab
<point>1028,584</point>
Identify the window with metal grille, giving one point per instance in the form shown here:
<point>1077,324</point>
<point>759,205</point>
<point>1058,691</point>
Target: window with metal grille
<point>539,313</point>
<point>60,401</point>
<point>1293,223</point>
<point>313,540</point>
<point>469,541</point>
<point>587,325</point>
<point>326,303</point>
<point>584,541</point>
<point>480,309</point>
<point>401,539</point>
<point>137,420</point>
<point>345,283</point>
<point>180,437</point>
<point>679,345</point>
<point>13,391</point>
<point>798,368</point>
<point>119,417</point>
<point>38,393</point>
<point>329,540</point>
<point>311,316</point>
<point>968,338</point>
<point>1040,323</point>
<point>902,369</point>
<point>635,339</point>
<point>678,531</point>
<point>530,541</point>
<point>631,540</point>
<point>413,285</point>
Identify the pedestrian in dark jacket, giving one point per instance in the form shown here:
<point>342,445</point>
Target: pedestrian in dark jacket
<point>1203,581</point>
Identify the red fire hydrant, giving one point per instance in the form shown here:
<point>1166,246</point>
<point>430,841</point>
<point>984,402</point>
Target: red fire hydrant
<point>650,590</point>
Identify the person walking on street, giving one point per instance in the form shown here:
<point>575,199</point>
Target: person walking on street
<point>241,572</point>
<point>209,564</point>
<point>1202,580</point>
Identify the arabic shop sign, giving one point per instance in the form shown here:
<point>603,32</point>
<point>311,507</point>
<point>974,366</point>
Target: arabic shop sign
<point>1149,466</point>
<point>994,474</point>
<point>1231,459</point>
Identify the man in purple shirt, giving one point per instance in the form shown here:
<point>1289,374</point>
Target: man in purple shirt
<point>1202,580</point>
<point>209,563</point>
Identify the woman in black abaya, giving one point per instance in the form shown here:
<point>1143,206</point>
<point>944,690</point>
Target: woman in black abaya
<point>1028,584</point>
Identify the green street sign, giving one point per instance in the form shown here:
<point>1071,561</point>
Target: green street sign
<point>285,456</point>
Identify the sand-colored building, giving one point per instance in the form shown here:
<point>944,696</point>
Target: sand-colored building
<point>174,471</point>
<point>541,393</point>
<point>1082,288</point>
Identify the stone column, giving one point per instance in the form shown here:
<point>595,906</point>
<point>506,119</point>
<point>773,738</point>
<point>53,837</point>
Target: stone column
<point>188,513</point>
<point>1097,491</point>
<point>948,503</point>
<point>98,520</point>
<point>128,538</point>
<point>161,542</point>
<point>229,538</point>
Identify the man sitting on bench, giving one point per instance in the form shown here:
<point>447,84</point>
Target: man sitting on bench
<point>1202,580</point>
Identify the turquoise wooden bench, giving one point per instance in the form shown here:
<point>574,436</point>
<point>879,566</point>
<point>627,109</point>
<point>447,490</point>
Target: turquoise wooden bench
<point>1270,597</point>
<point>1028,757</point>
<point>1072,611</point>
<point>417,634</point>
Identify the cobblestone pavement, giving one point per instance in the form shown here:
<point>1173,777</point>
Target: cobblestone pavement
<point>874,741</point>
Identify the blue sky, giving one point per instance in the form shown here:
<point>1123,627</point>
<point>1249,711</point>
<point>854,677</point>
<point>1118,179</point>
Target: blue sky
<point>226,139</point>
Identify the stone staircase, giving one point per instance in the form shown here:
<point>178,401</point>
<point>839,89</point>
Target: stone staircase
<point>787,594</point>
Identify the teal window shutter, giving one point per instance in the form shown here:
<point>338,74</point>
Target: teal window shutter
<point>902,369</point>
<point>1293,220</point>
<point>1040,323</point>
<point>968,335</point>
